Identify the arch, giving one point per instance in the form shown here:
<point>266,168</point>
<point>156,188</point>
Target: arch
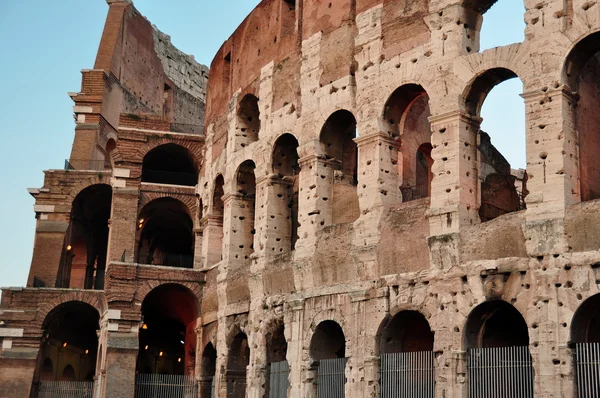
<point>495,324</point>
<point>585,325</point>
<point>165,234</point>
<point>208,366</point>
<point>245,179</point>
<point>248,126</point>
<point>328,341</point>
<point>407,331</point>
<point>168,335</point>
<point>338,147</point>
<point>285,194</point>
<point>502,189</point>
<point>581,73</point>
<point>406,116</point>
<point>238,358</point>
<point>109,148</point>
<point>480,86</point>
<point>93,299</point>
<point>217,197</point>
<point>171,164</point>
<point>70,332</point>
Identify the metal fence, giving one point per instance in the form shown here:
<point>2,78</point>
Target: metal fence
<point>331,378</point>
<point>503,372</point>
<point>165,386</point>
<point>279,379</point>
<point>587,360</point>
<point>407,375</point>
<point>65,389</point>
<point>414,193</point>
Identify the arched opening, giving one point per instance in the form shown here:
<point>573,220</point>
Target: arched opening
<point>502,177</point>
<point>278,368</point>
<point>497,341</point>
<point>328,347</point>
<point>208,368</point>
<point>170,164</point>
<point>238,360</point>
<point>497,15</point>
<point>585,335</point>
<point>582,74</point>
<point>284,225</point>
<point>248,121</point>
<point>83,260</point>
<point>406,355</point>
<point>69,346</point>
<point>242,243</point>
<point>213,233</point>
<point>111,144</point>
<point>340,150</point>
<point>167,335</point>
<point>165,234</point>
<point>406,115</point>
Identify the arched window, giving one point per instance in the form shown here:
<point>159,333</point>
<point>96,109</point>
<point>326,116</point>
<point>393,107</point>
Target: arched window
<point>248,125</point>
<point>70,332</point>
<point>497,340</point>
<point>237,362</point>
<point>165,231</point>
<point>502,176</point>
<point>83,261</point>
<point>169,316</point>
<point>406,355</point>
<point>170,164</point>
<point>497,15</point>
<point>338,147</point>
<point>585,335</point>
<point>278,368</point>
<point>208,369</point>
<point>406,115</point>
<point>111,144</point>
<point>284,222</point>
<point>582,74</point>
<point>328,346</point>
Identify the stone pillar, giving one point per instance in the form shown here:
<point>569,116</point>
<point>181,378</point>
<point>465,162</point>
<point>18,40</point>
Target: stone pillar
<point>371,371</point>
<point>17,369</point>
<point>273,215</point>
<point>123,223</point>
<point>238,231</point>
<point>212,240</point>
<point>552,152</point>
<point>455,185</point>
<point>121,359</point>
<point>198,253</point>
<point>315,201</point>
<point>48,251</point>
<point>294,321</point>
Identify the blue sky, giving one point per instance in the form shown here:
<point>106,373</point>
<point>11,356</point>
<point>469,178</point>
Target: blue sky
<point>46,44</point>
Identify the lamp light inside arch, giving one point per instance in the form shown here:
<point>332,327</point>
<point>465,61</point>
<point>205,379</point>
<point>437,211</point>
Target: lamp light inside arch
<point>69,248</point>
<point>87,352</point>
<point>160,354</point>
<point>144,326</point>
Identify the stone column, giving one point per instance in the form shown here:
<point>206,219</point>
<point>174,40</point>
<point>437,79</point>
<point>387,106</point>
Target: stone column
<point>48,250</point>
<point>238,231</point>
<point>294,321</point>
<point>123,223</point>
<point>121,359</point>
<point>455,185</point>
<point>315,201</point>
<point>212,240</point>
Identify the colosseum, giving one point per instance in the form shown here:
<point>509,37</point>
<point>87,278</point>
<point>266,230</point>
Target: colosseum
<point>319,214</point>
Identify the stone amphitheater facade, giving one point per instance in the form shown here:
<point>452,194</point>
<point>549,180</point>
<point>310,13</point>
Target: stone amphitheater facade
<point>319,214</point>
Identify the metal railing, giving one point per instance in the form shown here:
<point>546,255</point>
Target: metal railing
<point>96,165</point>
<point>169,177</point>
<point>175,260</point>
<point>65,389</point>
<point>504,372</point>
<point>587,362</point>
<point>331,378</point>
<point>414,193</point>
<point>165,386</point>
<point>407,375</point>
<point>279,379</point>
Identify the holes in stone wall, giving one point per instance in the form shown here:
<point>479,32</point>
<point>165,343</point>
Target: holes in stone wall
<point>243,214</point>
<point>248,125</point>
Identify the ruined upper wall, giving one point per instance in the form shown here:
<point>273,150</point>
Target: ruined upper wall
<point>155,78</point>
